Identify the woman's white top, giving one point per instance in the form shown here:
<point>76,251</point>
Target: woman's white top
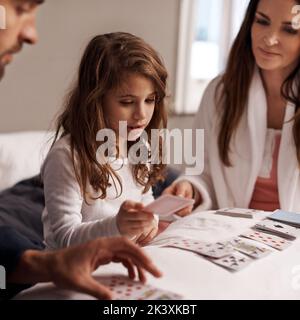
<point>223,187</point>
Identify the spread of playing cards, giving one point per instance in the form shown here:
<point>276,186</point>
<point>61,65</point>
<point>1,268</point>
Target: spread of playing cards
<point>275,233</point>
<point>126,289</point>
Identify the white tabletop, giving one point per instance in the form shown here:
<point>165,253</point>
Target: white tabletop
<point>276,276</point>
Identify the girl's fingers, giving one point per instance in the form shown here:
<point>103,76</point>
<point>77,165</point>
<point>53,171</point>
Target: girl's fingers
<point>184,212</point>
<point>137,228</point>
<point>146,239</point>
<point>131,205</point>
<point>140,239</point>
<point>139,216</point>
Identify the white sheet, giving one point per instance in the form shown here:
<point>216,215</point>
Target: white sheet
<point>21,155</point>
<point>276,276</point>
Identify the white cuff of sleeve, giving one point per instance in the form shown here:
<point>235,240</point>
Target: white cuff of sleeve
<point>112,227</point>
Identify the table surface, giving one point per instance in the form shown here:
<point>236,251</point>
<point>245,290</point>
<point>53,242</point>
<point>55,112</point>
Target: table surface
<point>276,276</point>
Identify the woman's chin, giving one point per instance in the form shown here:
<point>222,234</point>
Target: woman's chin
<point>268,66</point>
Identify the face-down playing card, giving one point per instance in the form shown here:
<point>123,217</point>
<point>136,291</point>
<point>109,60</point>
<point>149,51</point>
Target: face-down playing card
<point>237,212</point>
<point>126,289</point>
<point>270,240</point>
<point>291,218</point>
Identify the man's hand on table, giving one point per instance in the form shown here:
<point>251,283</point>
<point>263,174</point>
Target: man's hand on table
<point>71,268</point>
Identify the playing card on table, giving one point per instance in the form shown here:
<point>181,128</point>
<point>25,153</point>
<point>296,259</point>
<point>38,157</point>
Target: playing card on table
<point>186,244</point>
<point>166,205</point>
<point>235,261</point>
<point>249,249</point>
<point>217,250</point>
<point>270,240</point>
<point>212,250</point>
<point>237,212</point>
<point>278,228</point>
<point>126,289</point>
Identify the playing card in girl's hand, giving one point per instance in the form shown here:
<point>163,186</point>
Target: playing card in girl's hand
<point>166,205</point>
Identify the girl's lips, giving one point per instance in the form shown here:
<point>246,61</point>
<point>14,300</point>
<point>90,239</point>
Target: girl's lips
<point>134,133</point>
<point>136,127</point>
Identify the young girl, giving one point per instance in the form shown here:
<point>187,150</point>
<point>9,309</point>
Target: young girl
<point>121,78</point>
<point>251,118</point>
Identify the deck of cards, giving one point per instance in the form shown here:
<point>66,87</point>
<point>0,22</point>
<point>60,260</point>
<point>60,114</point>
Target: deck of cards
<point>166,205</point>
<point>237,212</point>
<point>290,218</point>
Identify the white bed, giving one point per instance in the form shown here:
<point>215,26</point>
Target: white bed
<point>276,276</point>
<point>21,155</point>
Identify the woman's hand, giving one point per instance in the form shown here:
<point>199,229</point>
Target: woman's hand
<point>184,189</point>
<point>133,220</point>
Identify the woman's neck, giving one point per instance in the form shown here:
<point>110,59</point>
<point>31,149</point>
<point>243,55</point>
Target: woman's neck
<point>274,79</point>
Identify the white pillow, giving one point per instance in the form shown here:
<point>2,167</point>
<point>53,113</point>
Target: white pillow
<point>21,155</point>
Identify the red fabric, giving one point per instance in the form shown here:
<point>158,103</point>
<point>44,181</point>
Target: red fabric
<point>265,196</point>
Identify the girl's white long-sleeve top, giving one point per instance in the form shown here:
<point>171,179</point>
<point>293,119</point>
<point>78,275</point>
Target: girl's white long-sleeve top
<point>222,186</point>
<point>67,218</point>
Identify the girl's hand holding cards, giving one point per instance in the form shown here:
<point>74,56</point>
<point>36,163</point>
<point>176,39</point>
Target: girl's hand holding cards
<point>134,220</point>
<point>148,235</point>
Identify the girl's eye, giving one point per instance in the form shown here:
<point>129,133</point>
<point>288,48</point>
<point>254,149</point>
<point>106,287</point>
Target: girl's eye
<point>126,102</point>
<point>150,101</point>
<point>262,22</point>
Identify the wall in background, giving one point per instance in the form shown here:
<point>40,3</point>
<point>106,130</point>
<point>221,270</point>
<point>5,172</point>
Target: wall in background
<point>35,84</point>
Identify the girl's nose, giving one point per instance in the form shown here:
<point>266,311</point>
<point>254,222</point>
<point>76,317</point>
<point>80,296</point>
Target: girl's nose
<point>139,112</point>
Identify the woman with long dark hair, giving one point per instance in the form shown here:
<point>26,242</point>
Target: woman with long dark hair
<point>251,118</point>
